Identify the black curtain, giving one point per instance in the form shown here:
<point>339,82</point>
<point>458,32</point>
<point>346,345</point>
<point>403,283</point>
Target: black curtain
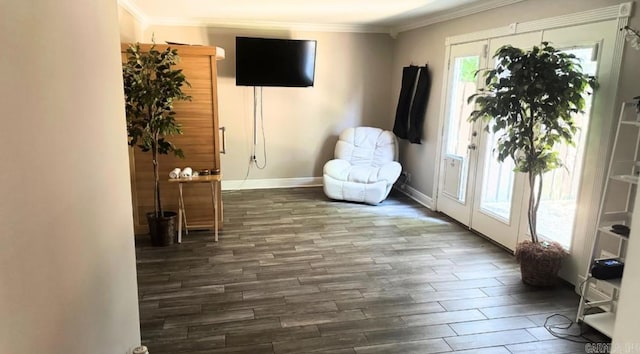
<point>412,103</point>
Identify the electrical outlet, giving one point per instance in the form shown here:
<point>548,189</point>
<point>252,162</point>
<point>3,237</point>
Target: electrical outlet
<point>408,179</point>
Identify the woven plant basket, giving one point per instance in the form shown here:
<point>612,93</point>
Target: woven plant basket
<point>540,262</point>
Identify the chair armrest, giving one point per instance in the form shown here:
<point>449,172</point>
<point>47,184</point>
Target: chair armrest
<point>337,168</point>
<point>390,172</point>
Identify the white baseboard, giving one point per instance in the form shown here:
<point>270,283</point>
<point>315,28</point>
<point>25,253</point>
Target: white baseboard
<point>312,182</point>
<point>271,183</point>
<point>416,195</point>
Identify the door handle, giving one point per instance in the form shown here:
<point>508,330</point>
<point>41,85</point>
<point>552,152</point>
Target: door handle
<point>224,140</point>
<point>471,146</point>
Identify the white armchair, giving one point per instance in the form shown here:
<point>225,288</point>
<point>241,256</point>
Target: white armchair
<point>364,168</point>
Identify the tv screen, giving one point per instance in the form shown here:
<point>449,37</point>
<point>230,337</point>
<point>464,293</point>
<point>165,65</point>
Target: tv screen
<point>275,62</point>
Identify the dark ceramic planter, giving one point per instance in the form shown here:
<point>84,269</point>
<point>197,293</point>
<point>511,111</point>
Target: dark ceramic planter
<point>162,229</point>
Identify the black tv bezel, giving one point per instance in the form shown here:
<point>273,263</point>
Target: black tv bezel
<point>277,83</point>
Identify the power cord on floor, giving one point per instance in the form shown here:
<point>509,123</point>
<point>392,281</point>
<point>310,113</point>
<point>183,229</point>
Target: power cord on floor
<point>576,338</point>
<point>568,324</point>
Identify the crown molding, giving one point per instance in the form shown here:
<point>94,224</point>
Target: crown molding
<point>453,14</point>
<point>620,11</point>
<point>269,25</point>
<point>135,11</point>
<point>146,21</point>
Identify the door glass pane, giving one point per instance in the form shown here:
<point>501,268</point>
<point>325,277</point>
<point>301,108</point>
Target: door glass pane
<point>557,212</point>
<point>497,182</point>
<point>463,85</point>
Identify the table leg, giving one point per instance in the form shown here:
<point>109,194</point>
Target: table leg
<point>221,201</point>
<point>179,212</point>
<point>214,191</point>
<point>184,216</point>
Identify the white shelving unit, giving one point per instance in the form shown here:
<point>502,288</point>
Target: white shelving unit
<point>616,207</point>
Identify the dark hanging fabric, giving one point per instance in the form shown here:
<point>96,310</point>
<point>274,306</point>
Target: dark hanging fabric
<point>401,125</point>
<point>419,106</point>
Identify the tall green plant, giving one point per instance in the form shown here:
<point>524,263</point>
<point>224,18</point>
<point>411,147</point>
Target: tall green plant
<point>151,85</point>
<point>529,100</point>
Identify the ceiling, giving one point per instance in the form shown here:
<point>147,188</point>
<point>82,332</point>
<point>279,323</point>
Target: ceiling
<point>356,15</point>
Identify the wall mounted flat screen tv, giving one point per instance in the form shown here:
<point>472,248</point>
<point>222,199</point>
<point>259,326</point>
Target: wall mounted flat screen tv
<point>275,62</point>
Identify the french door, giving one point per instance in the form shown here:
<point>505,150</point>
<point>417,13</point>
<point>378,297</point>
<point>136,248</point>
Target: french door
<point>459,150</point>
<point>488,196</point>
<point>474,188</point>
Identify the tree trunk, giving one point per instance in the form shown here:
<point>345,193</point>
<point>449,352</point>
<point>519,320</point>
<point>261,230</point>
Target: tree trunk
<point>531,209</point>
<point>535,194</point>
<point>537,204</point>
<point>533,203</point>
<point>156,177</point>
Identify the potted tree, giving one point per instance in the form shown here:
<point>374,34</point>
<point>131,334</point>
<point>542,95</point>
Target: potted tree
<point>151,85</point>
<point>529,102</point>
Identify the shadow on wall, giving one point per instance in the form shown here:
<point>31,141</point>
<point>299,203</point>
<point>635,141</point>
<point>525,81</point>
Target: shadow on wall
<point>327,149</point>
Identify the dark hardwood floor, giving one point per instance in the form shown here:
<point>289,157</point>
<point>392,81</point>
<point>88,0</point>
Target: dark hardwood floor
<point>294,272</point>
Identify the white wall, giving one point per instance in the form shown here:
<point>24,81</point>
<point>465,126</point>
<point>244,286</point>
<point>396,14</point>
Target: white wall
<point>626,339</point>
<point>352,87</point>
<point>130,28</point>
<point>67,261</point>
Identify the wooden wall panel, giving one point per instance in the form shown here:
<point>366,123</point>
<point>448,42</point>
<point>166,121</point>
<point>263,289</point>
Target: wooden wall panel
<point>199,142</point>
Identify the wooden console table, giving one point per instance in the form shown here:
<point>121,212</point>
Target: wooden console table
<point>215,182</point>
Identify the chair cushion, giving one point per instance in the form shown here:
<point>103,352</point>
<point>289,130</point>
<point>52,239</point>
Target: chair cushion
<point>366,146</point>
<point>344,171</point>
